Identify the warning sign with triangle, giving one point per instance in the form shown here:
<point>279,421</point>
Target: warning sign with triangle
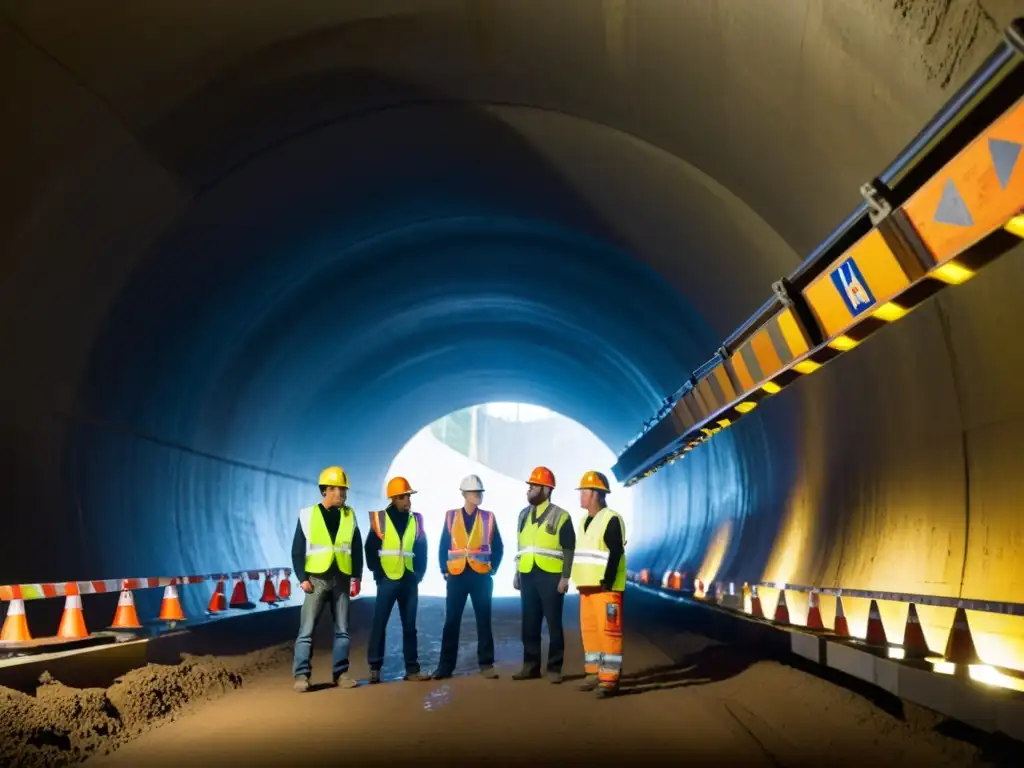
<point>952,209</point>
<point>1004,158</point>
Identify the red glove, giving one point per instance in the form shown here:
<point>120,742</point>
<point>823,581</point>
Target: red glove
<point>354,590</point>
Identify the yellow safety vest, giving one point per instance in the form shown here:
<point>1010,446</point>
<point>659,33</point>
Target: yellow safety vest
<point>396,554</point>
<point>474,547</point>
<point>538,542</point>
<point>590,558</point>
<point>320,550</point>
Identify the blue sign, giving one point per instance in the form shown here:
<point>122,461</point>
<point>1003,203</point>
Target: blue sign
<point>852,287</point>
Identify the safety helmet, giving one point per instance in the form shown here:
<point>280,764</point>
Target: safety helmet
<point>334,476</point>
<point>472,483</point>
<point>398,486</point>
<point>594,481</point>
<point>542,476</point>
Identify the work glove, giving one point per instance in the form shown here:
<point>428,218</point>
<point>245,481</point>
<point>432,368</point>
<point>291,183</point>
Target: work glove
<point>515,581</point>
<point>563,585</point>
<point>355,588</point>
<point>306,586</point>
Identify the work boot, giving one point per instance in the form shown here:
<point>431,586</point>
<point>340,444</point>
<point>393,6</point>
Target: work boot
<point>301,684</point>
<point>416,677</point>
<point>555,678</point>
<point>345,680</point>
<point>441,674</point>
<point>526,674</point>
<point>589,683</point>
<point>489,672</point>
<point>374,676</point>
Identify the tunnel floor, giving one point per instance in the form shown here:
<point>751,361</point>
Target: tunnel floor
<point>684,697</point>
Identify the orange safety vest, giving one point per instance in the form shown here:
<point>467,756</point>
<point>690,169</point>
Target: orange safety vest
<point>474,547</point>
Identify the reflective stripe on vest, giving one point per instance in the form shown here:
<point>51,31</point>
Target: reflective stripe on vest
<point>474,547</point>
<point>538,542</point>
<point>590,559</point>
<point>320,550</point>
<point>396,554</point>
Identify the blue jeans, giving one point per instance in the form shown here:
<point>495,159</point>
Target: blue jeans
<point>405,592</point>
<point>333,591</point>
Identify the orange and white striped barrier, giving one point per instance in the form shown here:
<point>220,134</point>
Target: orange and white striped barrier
<point>125,617</point>
<point>914,643</point>
<point>876,630</point>
<point>960,645</point>
<point>72,621</point>
<point>170,606</point>
<point>841,627</point>
<point>15,629</point>
<point>781,609</point>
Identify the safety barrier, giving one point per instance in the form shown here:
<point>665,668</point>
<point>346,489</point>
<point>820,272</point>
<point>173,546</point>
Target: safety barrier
<point>72,625</point>
<point>950,204</point>
<point>743,597</point>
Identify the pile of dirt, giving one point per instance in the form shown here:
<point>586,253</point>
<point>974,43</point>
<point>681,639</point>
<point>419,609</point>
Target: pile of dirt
<point>61,725</point>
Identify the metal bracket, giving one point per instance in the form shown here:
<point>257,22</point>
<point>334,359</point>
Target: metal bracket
<point>876,195</point>
<point>781,290</point>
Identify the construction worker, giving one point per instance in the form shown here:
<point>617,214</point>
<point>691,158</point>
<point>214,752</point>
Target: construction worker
<point>470,554</point>
<point>599,573</point>
<point>327,558</point>
<point>544,563</point>
<point>397,557</point>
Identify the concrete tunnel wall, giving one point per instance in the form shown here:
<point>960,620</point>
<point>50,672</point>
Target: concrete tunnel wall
<point>247,245</point>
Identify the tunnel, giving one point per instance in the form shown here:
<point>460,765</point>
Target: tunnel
<point>245,242</point>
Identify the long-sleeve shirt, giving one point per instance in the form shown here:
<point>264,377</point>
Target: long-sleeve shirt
<point>497,547</point>
<point>332,519</point>
<point>419,550</point>
<point>616,548</point>
<point>566,534</point>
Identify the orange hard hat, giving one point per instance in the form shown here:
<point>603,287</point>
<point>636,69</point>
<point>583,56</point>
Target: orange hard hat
<point>594,481</point>
<point>542,476</point>
<point>398,486</point>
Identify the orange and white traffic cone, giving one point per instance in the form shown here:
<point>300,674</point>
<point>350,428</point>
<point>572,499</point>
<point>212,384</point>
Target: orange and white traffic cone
<point>914,643</point>
<point>960,645</point>
<point>125,617</point>
<point>876,630</point>
<point>814,612</point>
<point>755,603</point>
<point>239,597</point>
<point>218,600</point>
<point>841,628</point>
<point>781,609</point>
<point>269,595</point>
<point>15,629</point>
<point>170,606</point>
<point>284,589</point>
<point>72,621</point>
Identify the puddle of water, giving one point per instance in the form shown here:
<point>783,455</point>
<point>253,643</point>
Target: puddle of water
<point>437,698</point>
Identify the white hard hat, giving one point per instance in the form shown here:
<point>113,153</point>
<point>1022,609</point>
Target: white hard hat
<point>472,483</point>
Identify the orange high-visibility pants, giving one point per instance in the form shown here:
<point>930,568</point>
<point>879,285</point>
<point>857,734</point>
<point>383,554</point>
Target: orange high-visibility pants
<point>601,625</point>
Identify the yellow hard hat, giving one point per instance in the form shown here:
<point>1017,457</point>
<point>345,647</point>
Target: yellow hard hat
<point>334,476</point>
<point>595,481</point>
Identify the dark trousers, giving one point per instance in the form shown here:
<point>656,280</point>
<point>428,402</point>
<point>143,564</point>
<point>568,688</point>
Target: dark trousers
<point>540,598</point>
<point>405,592</point>
<point>479,588</point>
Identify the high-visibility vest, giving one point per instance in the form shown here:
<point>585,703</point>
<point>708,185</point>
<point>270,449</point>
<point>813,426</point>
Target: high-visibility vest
<point>474,547</point>
<point>590,558</point>
<point>396,556</point>
<point>320,550</point>
<point>538,542</point>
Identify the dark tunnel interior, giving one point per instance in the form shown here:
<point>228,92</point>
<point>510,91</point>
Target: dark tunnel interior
<point>248,242</point>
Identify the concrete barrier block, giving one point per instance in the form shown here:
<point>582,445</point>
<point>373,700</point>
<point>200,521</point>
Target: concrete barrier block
<point>808,646</point>
<point>954,697</point>
<point>852,661</point>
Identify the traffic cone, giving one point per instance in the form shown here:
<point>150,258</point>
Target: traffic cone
<point>814,612</point>
<point>239,597</point>
<point>72,621</point>
<point>269,595</point>
<point>15,628</point>
<point>755,603</point>
<point>284,589</point>
<point>781,609</point>
<point>218,600</point>
<point>960,646</point>
<point>876,631</point>
<point>698,589</point>
<point>841,628</point>
<point>125,616</point>
<point>170,606</point>
<point>914,643</point>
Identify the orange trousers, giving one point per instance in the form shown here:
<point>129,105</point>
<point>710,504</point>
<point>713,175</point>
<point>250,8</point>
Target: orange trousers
<point>601,625</point>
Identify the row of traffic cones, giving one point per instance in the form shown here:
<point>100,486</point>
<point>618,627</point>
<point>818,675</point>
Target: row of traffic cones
<point>240,595</point>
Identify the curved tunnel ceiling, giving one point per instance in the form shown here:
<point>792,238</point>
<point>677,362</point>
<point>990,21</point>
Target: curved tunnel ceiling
<point>248,241</point>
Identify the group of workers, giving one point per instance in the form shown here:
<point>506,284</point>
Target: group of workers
<point>328,558</point>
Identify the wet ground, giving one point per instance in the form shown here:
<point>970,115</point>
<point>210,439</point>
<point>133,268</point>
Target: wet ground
<point>684,698</point>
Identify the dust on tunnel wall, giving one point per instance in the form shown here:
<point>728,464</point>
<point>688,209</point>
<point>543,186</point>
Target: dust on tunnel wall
<point>859,475</point>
